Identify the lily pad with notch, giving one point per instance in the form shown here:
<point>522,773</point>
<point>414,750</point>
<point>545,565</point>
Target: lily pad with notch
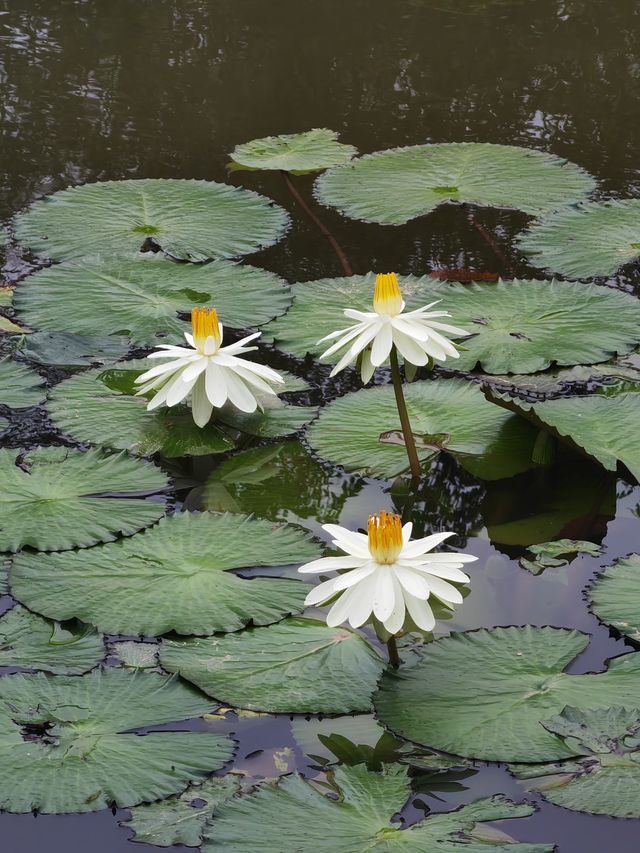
<point>614,596</point>
<point>298,153</point>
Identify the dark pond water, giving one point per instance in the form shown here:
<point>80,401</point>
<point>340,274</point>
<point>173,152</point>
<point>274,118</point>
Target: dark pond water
<point>111,89</point>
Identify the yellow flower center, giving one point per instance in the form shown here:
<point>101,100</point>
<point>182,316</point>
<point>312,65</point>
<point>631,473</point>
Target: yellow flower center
<point>385,537</point>
<point>205,324</point>
<point>387,297</point>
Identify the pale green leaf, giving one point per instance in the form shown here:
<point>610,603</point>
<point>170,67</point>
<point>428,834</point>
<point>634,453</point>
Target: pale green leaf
<point>298,153</point>
<point>20,386</point>
<point>614,596</point>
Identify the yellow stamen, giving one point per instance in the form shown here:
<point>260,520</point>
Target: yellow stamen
<point>385,537</point>
<point>387,297</point>
<point>205,324</point>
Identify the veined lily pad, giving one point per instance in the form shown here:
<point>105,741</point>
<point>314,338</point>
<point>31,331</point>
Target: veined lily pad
<point>482,694</point>
<point>175,577</point>
<point>586,240</point>
<point>296,666</point>
<point>68,744</point>
<point>57,498</point>
<point>141,296</point>
<point>606,779</point>
<point>361,431</point>
<point>554,554</point>
<point>64,349</point>
<point>391,187</point>
<point>615,596</point>
<point>515,326</point>
<point>298,153</point>
<point>31,642</point>
<point>295,817</point>
<point>135,655</point>
<point>190,220</point>
<point>20,387</point>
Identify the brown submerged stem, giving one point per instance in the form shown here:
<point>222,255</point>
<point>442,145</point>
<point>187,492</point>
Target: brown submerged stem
<point>337,248</point>
<point>409,442</point>
<point>392,648</point>
<point>491,241</point>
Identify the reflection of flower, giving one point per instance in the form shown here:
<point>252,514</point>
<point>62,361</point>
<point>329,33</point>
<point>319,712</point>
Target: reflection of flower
<point>387,575</point>
<point>417,335</point>
<point>208,372</point>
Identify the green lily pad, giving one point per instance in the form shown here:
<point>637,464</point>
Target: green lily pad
<point>296,666</point>
<point>554,554</point>
<point>188,219</point>
<point>615,596</point>
<point>57,498</point>
<point>482,694</point>
<point>135,655</point>
<point>175,577</point>
<point>20,387</point>
<point>606,779</point>
<point>141,296</point>
<point>64,349</point>
<point>361,431</point>
<point>294,816</point>
<point>68,744</point>
<point>181,820</point>
<point>31,642</point>
<point>515,326</point>
<point>297,153</point>
<point>391,187</point>
<point>586,240</point>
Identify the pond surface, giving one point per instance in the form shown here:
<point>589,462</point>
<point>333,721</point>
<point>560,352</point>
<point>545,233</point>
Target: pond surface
<point>94,90</point>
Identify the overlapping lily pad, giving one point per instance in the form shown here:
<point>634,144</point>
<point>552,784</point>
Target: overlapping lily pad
<point>143,296</point>
<point>547,555</point>
<point>175,577</point>
<point>188,219</point>
<point>449,415</point>
<point>606,779</point>
<point>31,642</point>
<point>297,153</point>
<point>68,744</point>
<point>20,386</point>
<point>483,694</point>
<point>297,666</point>
<point>586,240</point>
<point>294,816</point>
<point>54,498</point>
<point>391,187</point>
<point>615,596</point>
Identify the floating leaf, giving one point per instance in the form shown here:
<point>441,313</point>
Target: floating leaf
<point>482,694</point>
<point>142,296</point>
<point>11,328</point>
<point>188,219</point>
<point>175,577</point>
<point>181,820</point>
<point>296,666</point>
<point>6,293</point>
<point>615,596</point>
<point>68,744</point>
<point>515,326</point>
<point>31,642</point>
<point>587,240</point>
<point>553,554</point>
<point>486,440</point>
<point>298,153</point>
<point>606,780</point>
<point>20,387</point>
<point>136,655</point>
<point>391,187</point>
<point>68,350</point>
<point>295,817</point>
<point>57,498</point>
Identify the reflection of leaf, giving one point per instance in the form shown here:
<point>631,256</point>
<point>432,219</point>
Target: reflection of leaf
<point>615,596</point>
<point>553,554</point>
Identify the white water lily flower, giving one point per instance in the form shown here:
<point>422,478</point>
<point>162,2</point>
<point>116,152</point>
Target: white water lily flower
<point>388,575</point>
<point>417,335</point>
<point>208,372</point>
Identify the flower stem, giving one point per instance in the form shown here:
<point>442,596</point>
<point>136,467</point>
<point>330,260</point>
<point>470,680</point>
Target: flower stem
<point>392,648</point>
<point>409,442</point>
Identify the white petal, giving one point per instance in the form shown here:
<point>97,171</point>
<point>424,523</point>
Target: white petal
<point>339,613</point>
<point>215,385</point>
<point>363,340</point>
<point>348,540</point>
<point>201,408</point>
<point>421,546</point>
<point>449,573</point>
<point>180,389</point>
<point>233,348</point>
<point>189,339</point>
<point>412,582</point>
<point>384,594</point>
<point>173,352</point>
<point>409,349</point>
<point>239,394</point>
<point>395,621</point>
<point>448,557</point>
<point>258,369</point>
<point>361,606</point>
<point>361,316</point>
<point>331,564</point>
<point>343,341</point>
<point>420,612</point>
<point>322,592</point>
<point>195,369</point>
<point>410,328</point>
<point>445,327</point>
<point>381,346</point>
<point>161,369</point>
<point>210,345</point>
<point>407,529</point>
<point>257,381</point>
<point>445,591</point>
<point>348,579</point>
<point>366,368</point>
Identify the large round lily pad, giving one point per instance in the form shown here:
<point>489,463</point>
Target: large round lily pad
<point>295,816</point>
<point>54,498</point>
<point>141,296</point>
<point>20,386</point>
<point>188,219</point>
<point>68,744</point>
<point>299,665</point>
<point>175,577</point>
<point>391,187</point>
<point>586,240</point>
<point>483,694</point>
<point>515,326</point>
<point>298,153</point>
<point>615,596</point>
<point>361,431</point>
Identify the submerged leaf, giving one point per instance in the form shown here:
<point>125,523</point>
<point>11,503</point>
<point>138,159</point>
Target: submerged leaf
<point>20,387</point>
<point>298,153</point>
<point>614,596</point>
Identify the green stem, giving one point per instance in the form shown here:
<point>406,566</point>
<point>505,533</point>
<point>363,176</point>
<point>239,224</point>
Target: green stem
<point>409,443</point>
<point>394,658</point>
